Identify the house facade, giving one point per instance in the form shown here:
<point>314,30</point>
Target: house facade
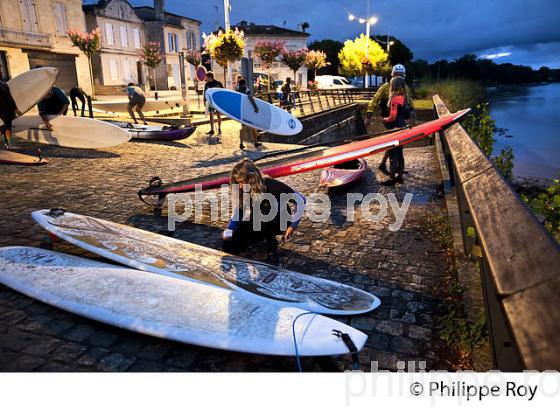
<point>176,34</point>
<point>122,36</point>
<point>34,33</point>
<point>253,33</point>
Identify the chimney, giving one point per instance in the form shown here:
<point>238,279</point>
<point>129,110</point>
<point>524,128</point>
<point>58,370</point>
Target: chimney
<point>159,9</point>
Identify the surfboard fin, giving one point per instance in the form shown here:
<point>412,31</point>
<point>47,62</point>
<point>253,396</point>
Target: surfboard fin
<point>351,348</point>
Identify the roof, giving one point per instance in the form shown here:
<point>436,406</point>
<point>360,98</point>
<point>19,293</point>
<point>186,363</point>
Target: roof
<point>147,13</point>
<point>252,29</point>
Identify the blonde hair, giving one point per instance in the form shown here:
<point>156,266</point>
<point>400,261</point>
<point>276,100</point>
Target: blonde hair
<point>248,173</point>
<point>397,87</point>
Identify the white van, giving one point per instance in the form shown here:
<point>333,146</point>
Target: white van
<point>325,82</point>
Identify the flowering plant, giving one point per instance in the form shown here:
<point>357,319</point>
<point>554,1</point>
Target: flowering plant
<point>268,51</point>
<point>225,47</point>
<point>89,44</point>
<point>151,57</point>
<point>315,60</point>
<point>294,59</point>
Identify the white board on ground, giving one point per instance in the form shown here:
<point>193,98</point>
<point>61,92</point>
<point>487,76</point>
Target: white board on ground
<point>32,86</point>
<point>72,132</point>
<point>161,104</point>
<point>161,254</point>
<point>268,118</point>
<point>169,308</point>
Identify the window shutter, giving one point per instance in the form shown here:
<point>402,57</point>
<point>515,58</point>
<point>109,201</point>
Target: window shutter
<point>109,34</point>
<point>124,37</point>
<point>136,35</point>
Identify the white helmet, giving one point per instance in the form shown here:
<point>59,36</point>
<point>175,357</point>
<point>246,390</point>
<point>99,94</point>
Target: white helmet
<point>398,69</point>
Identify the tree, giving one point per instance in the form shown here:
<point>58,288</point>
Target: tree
<point>89,44</point>
<point>353,60</point>
<point>294,60</point>
<point>267,52</point>
<point>304,26</point>
<point>331,48</point>
<point>399,53</point>
<point>315,60</point>
<point>225,48</point>
<point>151,57</point>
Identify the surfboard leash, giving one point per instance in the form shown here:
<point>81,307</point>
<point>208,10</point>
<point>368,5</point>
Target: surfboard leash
<point>345,337</point>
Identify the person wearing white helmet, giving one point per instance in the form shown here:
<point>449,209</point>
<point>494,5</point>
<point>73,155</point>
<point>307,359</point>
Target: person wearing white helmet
<point>381,101</point>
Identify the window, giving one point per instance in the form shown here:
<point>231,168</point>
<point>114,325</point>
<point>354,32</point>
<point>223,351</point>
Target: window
<point>114,69</point>
<point>136,36</point>
<point>189,44</point>
<point>337,81</point>
<point>109,34</point>
<point>59,11</point>
<point>124,37</point>
<point>172,42</point>
<point>127,73</point>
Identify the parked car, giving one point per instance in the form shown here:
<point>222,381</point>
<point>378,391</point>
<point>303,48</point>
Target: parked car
<point>332,82</point>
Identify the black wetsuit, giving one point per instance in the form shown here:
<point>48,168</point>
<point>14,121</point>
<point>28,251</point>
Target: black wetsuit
<point>398,113</point>
<point>77,93</point>
<point>7,107</point>
<point>53,104</point>
<point>244,233</point>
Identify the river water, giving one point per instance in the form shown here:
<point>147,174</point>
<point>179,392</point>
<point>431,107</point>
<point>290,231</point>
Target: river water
<point>530,117</point>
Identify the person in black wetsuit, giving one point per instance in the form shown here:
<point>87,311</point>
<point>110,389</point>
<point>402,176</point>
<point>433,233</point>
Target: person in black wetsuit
<point>398,114</point>
<point>8,111</point>
<point>243,88</point>
<point>55,103</point>
<point>211,82</point>
<point>241,231</point>
<point>76,94</point>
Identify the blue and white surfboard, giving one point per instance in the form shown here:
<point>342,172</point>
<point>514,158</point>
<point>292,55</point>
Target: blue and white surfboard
<point>269,118</point>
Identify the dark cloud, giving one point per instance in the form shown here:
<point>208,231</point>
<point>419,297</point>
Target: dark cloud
<point>433,29</point>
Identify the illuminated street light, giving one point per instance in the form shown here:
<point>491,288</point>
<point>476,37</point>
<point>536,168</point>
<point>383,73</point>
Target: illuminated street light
<point>369,21</point>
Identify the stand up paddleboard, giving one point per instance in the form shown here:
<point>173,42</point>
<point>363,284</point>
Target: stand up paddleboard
<point>309,161</point>
<point>151,104</point>
<point>343,174</point>
<point>72,132</point>
<point>15,158</point>
<point>160,254</point>
<point>29,88</point>
<point>155,132</point>
<point>170,308</point>
<point>269,117</point>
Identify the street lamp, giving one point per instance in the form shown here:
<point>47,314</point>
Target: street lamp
<point>369,21</point>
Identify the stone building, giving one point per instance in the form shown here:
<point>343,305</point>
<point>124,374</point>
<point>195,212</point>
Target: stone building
<point>292,39</point>
<point>122,36</point>
<point>34,32</point>
<point>175,33</point>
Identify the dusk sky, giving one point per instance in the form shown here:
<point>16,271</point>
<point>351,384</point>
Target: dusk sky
<point>518,31</point>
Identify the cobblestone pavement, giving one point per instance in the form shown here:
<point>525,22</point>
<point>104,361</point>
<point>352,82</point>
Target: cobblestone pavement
<point>402,268</point>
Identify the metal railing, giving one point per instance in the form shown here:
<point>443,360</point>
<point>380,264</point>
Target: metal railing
<point>519,261</point>
<point>25,38</point>
<point>310,102</point>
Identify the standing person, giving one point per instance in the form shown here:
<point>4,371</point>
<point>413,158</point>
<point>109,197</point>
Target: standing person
<point>76,94</point>
<point>8,111</point>
<point>381,101</point>
<point>243,88</point>
<point>242,232</point>
<point>136,98</point>
<point>398,114</point>
<point>211,82</point>
<point>286,89</point>
<point>55,103</point>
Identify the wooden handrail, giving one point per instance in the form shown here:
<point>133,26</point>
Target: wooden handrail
<point>520,258</point>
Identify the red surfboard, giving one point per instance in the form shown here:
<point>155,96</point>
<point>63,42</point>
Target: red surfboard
<point>310,161</point>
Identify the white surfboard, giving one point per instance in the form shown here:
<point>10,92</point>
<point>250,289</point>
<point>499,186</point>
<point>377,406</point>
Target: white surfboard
<point>72,132</point>
<point>32,86</point>
<point>160,254</point>
<point>269,117</point>
<point>169,308</point>
<point>151,104</point>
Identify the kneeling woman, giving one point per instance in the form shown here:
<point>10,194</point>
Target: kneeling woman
<point>267,196</point>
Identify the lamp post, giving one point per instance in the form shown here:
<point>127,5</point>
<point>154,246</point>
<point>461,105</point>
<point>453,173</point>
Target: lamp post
<point>227,9</point>
<point>368,22</point>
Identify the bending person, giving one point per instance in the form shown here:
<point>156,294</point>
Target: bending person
<point>76,94</point>
<point>136,100</point>
<point>55,103</point>
<point>275,209</point>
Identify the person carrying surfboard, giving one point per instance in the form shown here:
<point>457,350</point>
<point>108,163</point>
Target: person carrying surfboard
<point>8,111</point>
<point>286,100</point>
<point>136,99</point>
<point>399,112</point>
<point>211,82</point>
<point>380,101</point>
<point>243,88</point>
<point>55,103</point>
<point>242,232</point>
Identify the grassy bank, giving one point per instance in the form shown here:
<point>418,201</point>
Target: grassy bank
<point>457,94</point>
